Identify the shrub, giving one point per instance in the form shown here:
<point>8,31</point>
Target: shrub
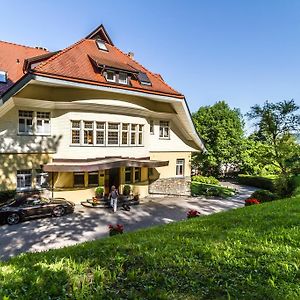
<point>192,213</point>
<point>99,191</point>
<point>7,195</point>
<point>126,190</point>
<point>264,196</point>
<point>115,229</point>
<point>286,185</point>
<point>263,182</point>
<point>251,201</point>
<point>207,180</point>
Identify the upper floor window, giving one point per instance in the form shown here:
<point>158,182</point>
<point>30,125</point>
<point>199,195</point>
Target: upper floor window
<point>111,76</point>
<point>100,133</point>
<point>113,134</point>
<point>151,127</point>
<point>3,77</point>
<point>25,121</point>
<point>164,129</point>
<point>140,135</point>
<point>125,134</point>
<point>123,78</point>
<point>180,167</point>
<point>75,132</point>
<point>88,133</point>
<point>101,45</point>
<point>133,134</point>
<point>43,122</point>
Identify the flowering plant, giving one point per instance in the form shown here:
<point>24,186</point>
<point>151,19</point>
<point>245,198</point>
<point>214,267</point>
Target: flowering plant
<point>251,201</point>
<point>115,229</point>
<point>192,213</point>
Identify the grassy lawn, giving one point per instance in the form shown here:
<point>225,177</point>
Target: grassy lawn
<point>247,253</point>
<point>205,189</point>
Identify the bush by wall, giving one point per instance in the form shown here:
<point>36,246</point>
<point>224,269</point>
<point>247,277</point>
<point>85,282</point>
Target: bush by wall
<point>265,183</point>
<point>264,196</point>
<point>204,179</point>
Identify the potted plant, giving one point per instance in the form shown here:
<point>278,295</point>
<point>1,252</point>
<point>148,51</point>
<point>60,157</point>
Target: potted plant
<point>99,191</point>
<point>126,190</point>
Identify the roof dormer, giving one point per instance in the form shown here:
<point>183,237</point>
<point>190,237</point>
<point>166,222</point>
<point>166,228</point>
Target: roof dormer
<point>100,34</point>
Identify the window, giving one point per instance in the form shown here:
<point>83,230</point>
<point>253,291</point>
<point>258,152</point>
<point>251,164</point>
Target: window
<point>125,135</point>
<point>78,179</point>
<point>101,45</point>
<point>3,77</point>
<point>100,133</point>
<point>151,127</point>
<point>24,179</point>
<point>143,78</point>
<point>93,178</point>
<point>140,136</point>
<point>75,132</point>
<point>25,121</point>
<point>123,78</point>
<point>133,134</point>
<point>113,134</point>
<point>128,175</point>
<point>111,76</point>
<point>164,130</point>
<point>137,174</point>
<point>41,179</point>
<point>180,167</point>
<point>88,132</point>
<point>43,122</point>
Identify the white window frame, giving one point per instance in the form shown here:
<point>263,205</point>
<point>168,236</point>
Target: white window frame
<point>41,178</point>
<point>112,131</point>
<point>140,133</point>
<point>135,132</point>
<point>151,128</point>
<point>100,130</point>
<point>164,130</point>
<point>127,131</point>
<point>114,76</point>
<point>123,81</point>
<point>180,165</point>
<point>101,45</point>
<point>76,129</point>
<point>3,77</point>
<point>29,129</point>
<point>43,117</point>
<point>88,129</point>
<point>24,175</point>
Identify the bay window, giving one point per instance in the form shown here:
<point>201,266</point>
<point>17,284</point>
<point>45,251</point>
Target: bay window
<point>100,133</point>
<point>88,132</point>
<point>140,136</point>
<point>75,132</point>
<point>113,134</point>
<point>133,134</point>
<point>125,135</point>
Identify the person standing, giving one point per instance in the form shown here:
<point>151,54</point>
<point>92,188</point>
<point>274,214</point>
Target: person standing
<point>114,198</point>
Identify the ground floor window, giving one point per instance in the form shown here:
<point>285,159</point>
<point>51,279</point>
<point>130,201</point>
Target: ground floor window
<point>78,179</point>
<point>24,179</point>
<point>93,178</point>
<point>128,175</point>
<point>180,167</point>
<point>137,174</point>
<point>41,179</point>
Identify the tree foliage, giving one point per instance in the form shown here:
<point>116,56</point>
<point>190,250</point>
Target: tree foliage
<point>221,129</point>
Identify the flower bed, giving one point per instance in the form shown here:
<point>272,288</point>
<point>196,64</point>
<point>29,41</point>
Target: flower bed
<point>192,213</point>
<point>115,229</point>
<point>251,201</point>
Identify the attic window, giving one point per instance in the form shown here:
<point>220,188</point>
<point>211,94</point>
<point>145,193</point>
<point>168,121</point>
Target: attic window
<point>3,77</point>
<point>143,78</point>
<point>111,76</point>
<point>123,78</point>
<point>101,45</point>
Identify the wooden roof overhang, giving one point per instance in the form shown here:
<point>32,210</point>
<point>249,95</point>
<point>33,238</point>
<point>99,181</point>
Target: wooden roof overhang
<point>91,165</point>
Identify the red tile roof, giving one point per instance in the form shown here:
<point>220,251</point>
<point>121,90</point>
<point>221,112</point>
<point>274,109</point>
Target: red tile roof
<point>12,57</point>
<point>74,63</point>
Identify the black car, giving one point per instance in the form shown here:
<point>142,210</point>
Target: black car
<point>24,208</point>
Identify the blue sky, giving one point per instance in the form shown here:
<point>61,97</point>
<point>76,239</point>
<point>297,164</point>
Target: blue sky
<point>243,52</point>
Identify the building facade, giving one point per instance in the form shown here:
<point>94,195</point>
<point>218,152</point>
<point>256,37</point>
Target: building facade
<point>91,115</point>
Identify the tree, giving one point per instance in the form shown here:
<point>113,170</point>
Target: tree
<point>276,123</point>
<point>221,129</point>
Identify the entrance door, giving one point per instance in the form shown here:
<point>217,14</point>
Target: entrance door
<point>114,178</point>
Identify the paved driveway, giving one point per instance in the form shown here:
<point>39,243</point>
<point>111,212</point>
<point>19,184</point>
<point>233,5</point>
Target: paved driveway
<point>88,224</point>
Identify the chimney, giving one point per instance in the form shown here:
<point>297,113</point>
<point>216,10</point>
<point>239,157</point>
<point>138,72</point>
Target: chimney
<point>131,55</point>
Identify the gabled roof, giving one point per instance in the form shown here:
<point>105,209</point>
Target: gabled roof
<point>74,63</point>
<point>100,33</point>
<point>12,57</point>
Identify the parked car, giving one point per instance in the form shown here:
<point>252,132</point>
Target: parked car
<point>28,207</point>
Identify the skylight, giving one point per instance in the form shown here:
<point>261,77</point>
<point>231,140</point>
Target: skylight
<point>3,77</point>
<point>143,78</point>
<point>101,45</point>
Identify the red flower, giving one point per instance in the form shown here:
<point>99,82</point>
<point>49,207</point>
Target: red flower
<point>192,213</point>
<point>115,229</point>
<point>251,201</point>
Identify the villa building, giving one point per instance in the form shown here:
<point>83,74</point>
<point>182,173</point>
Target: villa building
<point>91,115</point>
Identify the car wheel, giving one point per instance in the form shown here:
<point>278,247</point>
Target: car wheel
<point>13,219</point>
<point>58,211</point>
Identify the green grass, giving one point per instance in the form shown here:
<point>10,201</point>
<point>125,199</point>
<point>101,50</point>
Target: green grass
<point>198,188</point>
<point>248,253</point>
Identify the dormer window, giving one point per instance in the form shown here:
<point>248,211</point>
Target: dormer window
<point>111,76</point>
<point>3,77</point>
<point>101,45</point>
<point>123,79</point>
<point>143,78</point>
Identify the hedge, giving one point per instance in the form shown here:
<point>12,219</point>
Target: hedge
<point>265,183</point>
